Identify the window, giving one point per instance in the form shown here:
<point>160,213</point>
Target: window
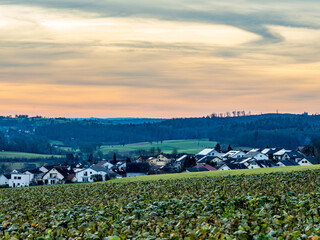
<point>85,174</point>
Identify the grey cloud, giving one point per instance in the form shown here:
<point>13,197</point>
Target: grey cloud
<point>254,19</point>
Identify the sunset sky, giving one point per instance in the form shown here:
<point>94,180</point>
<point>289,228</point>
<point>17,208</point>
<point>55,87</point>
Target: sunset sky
<point>162,58</point>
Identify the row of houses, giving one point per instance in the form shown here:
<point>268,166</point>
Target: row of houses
<point>255,158</point>
<point>208,159</point>
<point>49,175</point>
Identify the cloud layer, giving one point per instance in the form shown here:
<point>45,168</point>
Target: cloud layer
<point>158,59</point>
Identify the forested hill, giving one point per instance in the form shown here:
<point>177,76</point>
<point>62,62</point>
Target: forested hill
<point>279,130</point>
<point>282,130</point>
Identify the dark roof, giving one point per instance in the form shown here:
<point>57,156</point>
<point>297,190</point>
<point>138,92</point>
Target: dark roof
<point>289,163</point>
<point>49,167</point>
<point>206,166</point>
<point>34,171</point>
<point>206,159</point>
<point>232,165</point>
<point>100,163</point>
<point>137,167</point>
<point>294,155</point>
<point>64,171</point>
<point>201,169</point>
<point>8,176</point>
<point>252,154</point>
<point>273,150</point>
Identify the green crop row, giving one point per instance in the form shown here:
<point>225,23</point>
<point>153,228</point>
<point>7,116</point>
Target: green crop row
<point>266,206</point>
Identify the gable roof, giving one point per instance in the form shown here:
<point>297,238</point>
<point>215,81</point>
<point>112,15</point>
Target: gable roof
<point>281,152</point>
<point>62,170</point>
<point>206,166</point>
<point>289,163</point>
<point>253,154</point>
<point>295,155</point>
<point>182,158</point>
<point>270,150</point>
<point>207,151</point>
<point>232,153</point>
<point>34,171</point>
<point>205,159</point>
<point>232,165</point>
<point>99,169</point>
<point>100,163</point>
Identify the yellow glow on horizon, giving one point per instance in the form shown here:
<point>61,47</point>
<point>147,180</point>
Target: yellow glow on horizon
<point>71,63</point>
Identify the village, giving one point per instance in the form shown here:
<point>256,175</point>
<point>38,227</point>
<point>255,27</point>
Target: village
<point>209,159</point>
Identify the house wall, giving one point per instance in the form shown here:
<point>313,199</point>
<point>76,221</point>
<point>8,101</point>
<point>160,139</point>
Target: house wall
<point>3,180</point>
<point>261,156</point>
<point>224,167</point>
<point>280,164</point>
<point>304,162</point>
<point>86,175</point>
<point>253,165</point>
<point>20,180</point>
<point>47,179</point>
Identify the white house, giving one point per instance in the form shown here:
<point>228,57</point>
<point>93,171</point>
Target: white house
<point>253,164</point>
<point>45,169</point>
<point>36,175</point>
<point>234,154</point>
<point>104,164</point>
<point>227,166</point>
<point>282,155</point>
<point>95,173</point>
<point>286,163</point>
<point>257,155</point>
<point>4,179</point>
<point>20,179</point>
<point>308,161</point>
<point>58,175</point>
<point>209,152</point>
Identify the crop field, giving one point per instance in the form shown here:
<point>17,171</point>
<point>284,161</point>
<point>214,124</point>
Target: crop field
<point>279,205</point>
<point>187,146</point>
<point>5,154</point>
<point>216,173</point>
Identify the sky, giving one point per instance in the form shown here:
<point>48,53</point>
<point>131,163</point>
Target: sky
<point>161,58</point>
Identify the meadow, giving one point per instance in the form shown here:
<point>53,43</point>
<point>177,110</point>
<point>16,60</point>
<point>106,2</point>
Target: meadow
<point>242,205</point>
<point>24,155</point>
<point>190,146</point>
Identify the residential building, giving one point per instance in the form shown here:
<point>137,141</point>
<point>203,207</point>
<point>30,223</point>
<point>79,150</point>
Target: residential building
<point>20,179</point>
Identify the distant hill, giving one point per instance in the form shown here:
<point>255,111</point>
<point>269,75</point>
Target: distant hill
<point>124,120</point>
<point>278,130</point>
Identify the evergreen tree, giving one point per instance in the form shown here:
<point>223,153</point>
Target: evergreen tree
<point>218,147</point>
<point>229,148</point>
<point>114,158</point>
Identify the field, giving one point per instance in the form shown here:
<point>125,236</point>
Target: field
<point>278,205</point>
<point>24,155</point>
<point>187,146</point>
<point>217,173</point>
